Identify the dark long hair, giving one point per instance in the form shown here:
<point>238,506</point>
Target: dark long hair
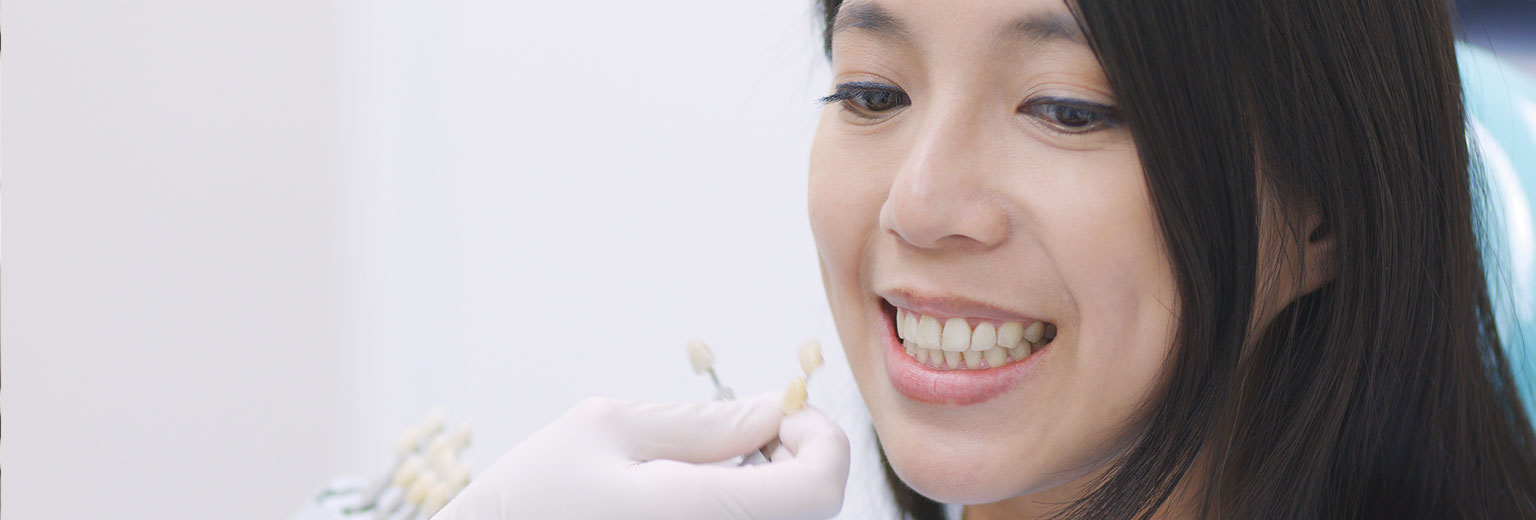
<point>1385,393</point>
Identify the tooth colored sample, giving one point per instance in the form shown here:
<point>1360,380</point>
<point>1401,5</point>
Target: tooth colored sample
<point>420,488</point>
<point>461,436</point>
<point>1034,331</point>
<point>438,445</point>
<point>810,356</point>
<point>458,478</point>
<point>1010,334</point>
<point>911,321</point>
<point>433,424</point>
<point>972,358</point>
<point>408,471</point>
<point>794,396</point>
<point>952,359</point>
<point>983,338</point>
<point>928,331</point>
<point>996,357</point>
<point>700,356</point>
<point>436,498</point>
<point>957,335</point>
<point>408,441</point>
<point>441,462</point>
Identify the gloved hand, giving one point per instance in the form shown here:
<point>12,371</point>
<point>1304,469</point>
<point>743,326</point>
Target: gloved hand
<point>615,459</point>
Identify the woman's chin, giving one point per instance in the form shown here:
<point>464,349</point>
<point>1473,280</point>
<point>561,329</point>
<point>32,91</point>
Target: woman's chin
<point>962,472</point>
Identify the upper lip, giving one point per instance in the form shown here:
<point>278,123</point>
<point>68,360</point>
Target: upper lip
<point>950,306</point>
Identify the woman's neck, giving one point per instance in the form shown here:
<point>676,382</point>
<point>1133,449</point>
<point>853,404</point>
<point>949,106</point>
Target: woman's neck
<point>1181,505</point>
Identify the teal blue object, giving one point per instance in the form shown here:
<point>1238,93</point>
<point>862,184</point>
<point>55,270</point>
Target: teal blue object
<point>1501,113</point>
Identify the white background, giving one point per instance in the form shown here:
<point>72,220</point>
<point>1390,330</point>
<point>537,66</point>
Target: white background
<point>247,243</point>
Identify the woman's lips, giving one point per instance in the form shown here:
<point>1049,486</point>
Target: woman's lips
<point>950,387</point>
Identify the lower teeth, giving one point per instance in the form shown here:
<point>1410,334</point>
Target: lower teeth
<point>973,359</point>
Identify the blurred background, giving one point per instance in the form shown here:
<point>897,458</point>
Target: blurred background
<point>248,243</point>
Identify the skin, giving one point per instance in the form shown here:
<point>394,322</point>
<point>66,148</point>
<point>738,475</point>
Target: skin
<point>975,190</point>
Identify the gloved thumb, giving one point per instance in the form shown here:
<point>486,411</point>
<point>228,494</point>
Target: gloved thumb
<point>697,432</point>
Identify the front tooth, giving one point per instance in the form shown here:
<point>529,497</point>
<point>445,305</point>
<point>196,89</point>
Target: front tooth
<point>1010,334</point>
<point>1034,331</point>
<point>972,358</point>
<point>957,335</point>
<point>901,323</point>
<point>996,357</point>
<point>984,338</point>
<point>952,358</point>
<point>928,331</point>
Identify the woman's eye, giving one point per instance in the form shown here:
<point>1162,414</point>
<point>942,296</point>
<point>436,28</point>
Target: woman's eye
<point>1070,116</point>
<point>868,100</point>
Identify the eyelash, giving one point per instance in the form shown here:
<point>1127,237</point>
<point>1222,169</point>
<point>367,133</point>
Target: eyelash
<point>854,98</point>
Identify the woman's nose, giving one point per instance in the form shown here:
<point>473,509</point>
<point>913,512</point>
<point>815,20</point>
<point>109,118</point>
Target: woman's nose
<point>940,196</point>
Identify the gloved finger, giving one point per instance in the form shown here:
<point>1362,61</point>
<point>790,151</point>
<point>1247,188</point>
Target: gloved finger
<point>779,453</point>
<point>809,436</point>
<point>807,483</point>
<point>697,432</point>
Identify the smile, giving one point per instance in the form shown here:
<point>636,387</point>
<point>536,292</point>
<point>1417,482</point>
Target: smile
<point>952,351</point>
<point>954,343</point>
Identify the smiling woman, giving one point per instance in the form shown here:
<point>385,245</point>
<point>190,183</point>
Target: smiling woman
<point>1248,227</point>
<point>1113,259</point>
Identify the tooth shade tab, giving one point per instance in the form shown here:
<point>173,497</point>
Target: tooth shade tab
<point>699,356</point>
<point>810,356</point>
<point>794,396</point>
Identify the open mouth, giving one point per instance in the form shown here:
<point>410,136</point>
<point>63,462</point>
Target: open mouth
<point>967,343</point>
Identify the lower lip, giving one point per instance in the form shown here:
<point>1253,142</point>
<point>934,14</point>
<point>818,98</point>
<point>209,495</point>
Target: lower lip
<point>951,387</point>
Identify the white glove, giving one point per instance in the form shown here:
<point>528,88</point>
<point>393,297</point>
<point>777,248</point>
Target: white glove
<point>615,459</point>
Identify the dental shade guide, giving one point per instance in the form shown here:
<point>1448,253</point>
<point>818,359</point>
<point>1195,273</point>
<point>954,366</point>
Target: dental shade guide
<point>810,360</point>
<point>424,477</point>
<point>703,362</point>
<point>795,395</point>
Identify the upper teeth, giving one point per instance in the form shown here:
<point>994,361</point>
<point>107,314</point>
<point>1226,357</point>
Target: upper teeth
<point>954,342</point>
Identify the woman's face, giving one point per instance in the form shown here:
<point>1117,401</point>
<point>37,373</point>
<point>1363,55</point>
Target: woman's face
<point>971,173</point>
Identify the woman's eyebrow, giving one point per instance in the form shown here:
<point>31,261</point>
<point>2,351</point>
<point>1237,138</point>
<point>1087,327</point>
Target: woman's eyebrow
<point>1037,27</point>
<point>1045,26</point>
<point>874,19</point>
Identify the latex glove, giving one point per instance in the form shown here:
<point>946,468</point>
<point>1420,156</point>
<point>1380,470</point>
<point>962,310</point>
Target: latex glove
<point>615,459</point>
